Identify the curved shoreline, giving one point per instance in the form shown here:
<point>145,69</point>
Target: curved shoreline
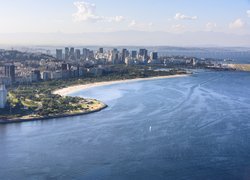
<point>52,117</point>
<point>71,89</point>
<point>68,90</point>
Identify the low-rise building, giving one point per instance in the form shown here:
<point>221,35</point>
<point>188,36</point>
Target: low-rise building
<point>5,80</point>
<point>45,75</point>
<point>56,75</point>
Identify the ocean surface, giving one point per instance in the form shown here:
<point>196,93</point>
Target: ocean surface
<point>195,127</point>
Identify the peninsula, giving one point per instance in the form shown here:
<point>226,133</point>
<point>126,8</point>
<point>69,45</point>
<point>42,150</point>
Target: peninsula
<point>49,99</point>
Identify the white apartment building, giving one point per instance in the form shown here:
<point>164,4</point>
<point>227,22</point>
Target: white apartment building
<point>3,96</point>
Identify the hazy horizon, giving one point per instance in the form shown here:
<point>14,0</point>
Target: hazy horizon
<point>126,38</point>
<point>141,22</point>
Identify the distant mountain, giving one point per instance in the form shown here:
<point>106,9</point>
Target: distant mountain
<point>10,55</point>
<point>133,38</point>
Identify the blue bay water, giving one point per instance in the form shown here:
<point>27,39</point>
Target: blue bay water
<point>195,127</point>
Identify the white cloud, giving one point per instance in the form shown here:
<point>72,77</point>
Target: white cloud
<point>86,12</point>
<point>210,26</point>
<point>248,13</point>
<point>119,18</point>
<point>115,19</point>
<point>178,27</point>
<point>180,16</point>
<point>132,23</point>
<point>237,24</point>
<point>140,25</point>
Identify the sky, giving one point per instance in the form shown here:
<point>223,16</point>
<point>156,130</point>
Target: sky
<point>171,16</point>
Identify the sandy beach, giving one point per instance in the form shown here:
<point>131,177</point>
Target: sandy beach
<point>240,67</point>
<point>71,89</point>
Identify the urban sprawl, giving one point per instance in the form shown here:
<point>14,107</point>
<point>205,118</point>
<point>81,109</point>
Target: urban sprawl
<point>24,67</point>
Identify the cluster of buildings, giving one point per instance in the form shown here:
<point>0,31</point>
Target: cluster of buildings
<point>114,56</point>
<point>72,63</point>
<point>69,63</point>
<point>17,73</point>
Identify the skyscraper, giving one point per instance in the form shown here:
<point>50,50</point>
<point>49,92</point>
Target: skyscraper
<point>59,54</point>
<point>66,53</point>
<point>3,96</point>
<point>85,53</point>
<point>114,56</point>
<point>101,50</point>
<point>36,75</point>
<point>78,54</point>
<point>124,55</point>
<point>133,54</point>
<point>10,72</point>
<point>72,51</point>
<point>154,56</point>
<point>143,53</point>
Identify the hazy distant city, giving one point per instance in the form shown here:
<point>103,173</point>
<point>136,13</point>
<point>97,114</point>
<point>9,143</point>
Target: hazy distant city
<point>70,62</point>
<point>17,67</point>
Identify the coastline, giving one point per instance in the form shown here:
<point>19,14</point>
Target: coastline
<point>71,89</point>
<point>240,67</point>
<point>9,121</point>
<point>68,90</point>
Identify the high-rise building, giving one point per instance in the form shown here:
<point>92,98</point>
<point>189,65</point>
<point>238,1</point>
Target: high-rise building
<point>66,53</point>
<point>154,56</point>
<point>133,54</point>
<point>59,54</point>
<point>143,56</point>
<point>36,75</point>
<point>124,55</point>
<point>193,62</point>
<point>72,51</point>
<point>78,54</point>
<point>10,72</point>
<point>66,67</point>
<point>91,54</point>
<point>85,53</point>
<point>115,56</point>
<point>66,70</point>
<point>3,96</point>
<point>143,53</point>
<point>101,50</point>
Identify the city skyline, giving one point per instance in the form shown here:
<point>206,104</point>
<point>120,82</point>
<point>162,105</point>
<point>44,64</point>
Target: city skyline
<point>207,20</point>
